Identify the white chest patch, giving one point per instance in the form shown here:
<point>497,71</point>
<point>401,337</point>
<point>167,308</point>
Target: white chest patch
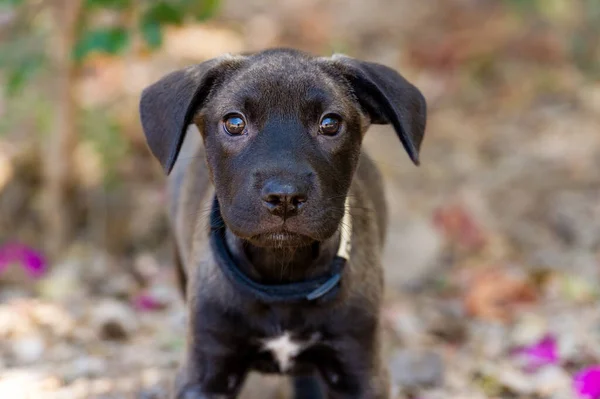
<point>285,349</point>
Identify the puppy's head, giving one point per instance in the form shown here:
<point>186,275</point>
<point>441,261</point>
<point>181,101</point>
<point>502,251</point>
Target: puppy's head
<point>283,133</point>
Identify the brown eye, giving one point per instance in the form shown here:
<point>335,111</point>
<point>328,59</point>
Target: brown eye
<point>330,125</point>
<point>234,124</point>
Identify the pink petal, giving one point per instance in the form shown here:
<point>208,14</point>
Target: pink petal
<point>31,260</point>
<point>460,226</point>
<point>145,302</point>
<point>542,353</point>
<point>587,382</point>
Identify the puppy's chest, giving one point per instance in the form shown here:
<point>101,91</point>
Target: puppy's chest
<point>283,352</point>
<point>289,343</point>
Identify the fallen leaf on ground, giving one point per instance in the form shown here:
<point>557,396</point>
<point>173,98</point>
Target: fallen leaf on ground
<point>460,227</point>
<point>493,293</point>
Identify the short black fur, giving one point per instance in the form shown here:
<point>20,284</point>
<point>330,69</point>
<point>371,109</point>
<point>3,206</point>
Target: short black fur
<point>282,189</point>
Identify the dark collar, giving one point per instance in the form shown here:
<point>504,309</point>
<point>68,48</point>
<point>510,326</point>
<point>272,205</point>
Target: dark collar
<point>323,287</point>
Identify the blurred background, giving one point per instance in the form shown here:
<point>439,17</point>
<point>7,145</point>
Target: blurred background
<point>493,259</point>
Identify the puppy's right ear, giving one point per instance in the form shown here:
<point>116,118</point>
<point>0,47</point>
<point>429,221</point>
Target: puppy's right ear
<point>168,106</point>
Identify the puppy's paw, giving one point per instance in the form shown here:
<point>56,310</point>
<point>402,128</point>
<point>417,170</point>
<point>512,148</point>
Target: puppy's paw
<point>190,392</point>
<point>195,392</point>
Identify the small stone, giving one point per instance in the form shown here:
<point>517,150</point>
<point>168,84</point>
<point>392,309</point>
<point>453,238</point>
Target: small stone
<point>126,384</point>
<point>413,369</point>
<point>529,329</point>
<point>64,281</point>
<point>119,286</point>
<point>113,320</point>
<point>151,377</point>
<point>447,321</point>
<point>101,386</point>
<point>28,349</point>
<point>570,330</point>
<point>86,367</point>
<point>490,340</point>
<point>509,377</point>
<point>50,383</point>
<point>156,392</point>
<point>405,321</point>
<point>552,380</point>
<point>79,389</point>
<point>10,293</point>
<point>84,333</point>
<point>21,383</point>
<point>146,266</point>
<point>53,317</point>
<point>13,322</point>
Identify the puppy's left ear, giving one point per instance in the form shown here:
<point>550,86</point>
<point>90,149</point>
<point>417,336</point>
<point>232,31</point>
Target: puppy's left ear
<point>387,97</point>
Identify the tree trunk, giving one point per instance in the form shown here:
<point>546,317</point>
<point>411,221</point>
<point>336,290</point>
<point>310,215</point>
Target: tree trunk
<point>60,145</point>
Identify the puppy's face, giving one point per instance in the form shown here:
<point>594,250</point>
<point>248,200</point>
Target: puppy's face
<point>282,143</point>
<point>282,132</point>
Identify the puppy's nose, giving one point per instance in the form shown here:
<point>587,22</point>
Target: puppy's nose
<point>284,198</point>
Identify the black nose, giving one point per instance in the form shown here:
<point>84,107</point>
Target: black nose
<point>284,198</point>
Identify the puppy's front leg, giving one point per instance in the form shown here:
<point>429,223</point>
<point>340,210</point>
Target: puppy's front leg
<point>195,392</point>
<point>373,385</point>
<point>214,365</point>
<point>363,374</point>
<point>209,377</point>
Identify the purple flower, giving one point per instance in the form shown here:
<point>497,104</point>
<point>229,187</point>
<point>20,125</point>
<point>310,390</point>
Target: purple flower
<point>587,382</point>
<point>540,354</point>
<point>145,302</point>
<point>31,260</point>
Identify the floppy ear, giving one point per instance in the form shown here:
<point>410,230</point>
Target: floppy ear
<point>388,98</point>
<point>168,106</point>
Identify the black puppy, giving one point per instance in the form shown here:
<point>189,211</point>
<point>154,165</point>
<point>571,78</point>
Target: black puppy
<point>278,218</point>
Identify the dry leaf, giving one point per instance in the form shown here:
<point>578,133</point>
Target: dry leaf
<point>460,227</point>
<point>493,293</point>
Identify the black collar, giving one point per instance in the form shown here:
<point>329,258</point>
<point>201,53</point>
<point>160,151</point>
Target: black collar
<point>323,287</point>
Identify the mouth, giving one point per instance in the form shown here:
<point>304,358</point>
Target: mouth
<point>280,239</point>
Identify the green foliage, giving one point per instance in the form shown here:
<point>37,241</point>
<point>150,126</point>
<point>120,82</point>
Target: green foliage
<point>152,33</point>
<point>592,10</point>
<point>27,109</point>
<point>157,15</point>
<point>24,50</point>
<point>20,63</point>
<point>18,76</point>
<point>114,4</point>
<point>106,40</point>
<point>20,60</point>
<point>583,40</point>
<point>10,3</point>
<point>164,12</point>
<point>202,10</point>
<point>522,6</point>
